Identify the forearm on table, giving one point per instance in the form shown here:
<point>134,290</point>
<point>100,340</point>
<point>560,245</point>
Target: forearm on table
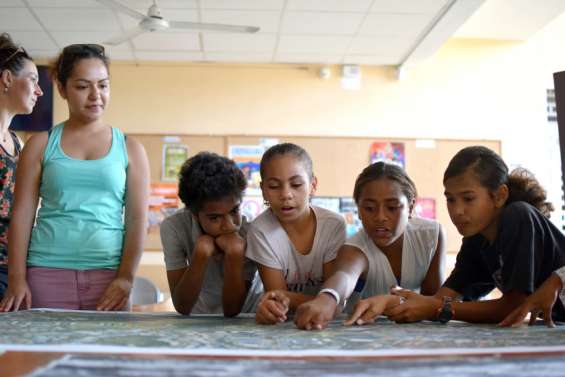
<point>234,290</point>
<point>185,293</point>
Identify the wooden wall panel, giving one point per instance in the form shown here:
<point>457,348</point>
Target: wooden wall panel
<point>154,147</point>
<point>338,161</point>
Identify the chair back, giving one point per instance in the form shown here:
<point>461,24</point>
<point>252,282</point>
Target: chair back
<point>145,292</point>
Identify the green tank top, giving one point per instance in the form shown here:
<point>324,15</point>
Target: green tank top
<point>80,222</point>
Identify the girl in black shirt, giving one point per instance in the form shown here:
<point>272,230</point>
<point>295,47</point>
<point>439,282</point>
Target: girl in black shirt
<point>508,242</point>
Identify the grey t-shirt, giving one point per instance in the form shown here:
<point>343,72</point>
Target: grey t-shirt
<point>179,234</point>
<point>268,244</point>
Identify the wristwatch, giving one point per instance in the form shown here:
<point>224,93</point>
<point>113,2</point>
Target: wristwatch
<point>446,312</point>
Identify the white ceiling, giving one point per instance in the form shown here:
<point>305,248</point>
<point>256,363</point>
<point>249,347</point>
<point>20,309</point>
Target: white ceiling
<point>375,32</point>
<point>511,19</point>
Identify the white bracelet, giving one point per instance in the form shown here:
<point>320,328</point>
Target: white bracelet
<point>331,292</point>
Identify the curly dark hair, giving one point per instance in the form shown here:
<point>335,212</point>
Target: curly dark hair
<point>12,56</point>
<point>208,176</point>
<point>493,172</point>
<point>392,172</point>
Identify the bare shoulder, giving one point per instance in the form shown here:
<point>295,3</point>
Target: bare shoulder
<point>351,257</point>
<point>134,145</point>
<point>350,252</point>
<point>136,151</point>
<point>38,139</point>
<point>35,145</point>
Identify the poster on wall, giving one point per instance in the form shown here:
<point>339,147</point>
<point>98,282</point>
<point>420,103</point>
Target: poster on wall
<point>248,158</point>
<point>163,201</point>
<point>174,155</point>
<point>348,210</point>
<point>252,206</point>
<point>388,152</point>
<point>425,208</point>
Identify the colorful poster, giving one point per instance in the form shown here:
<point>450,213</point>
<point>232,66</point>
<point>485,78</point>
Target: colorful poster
<point>174,155</point>
<point>163,200</point>
<point>252,206</point>
<point>348,210</point>
<point>425,208</point>
<point>248,158</point>
<point>388,152</point>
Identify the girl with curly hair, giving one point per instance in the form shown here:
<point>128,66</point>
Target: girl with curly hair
<point>204,243</point>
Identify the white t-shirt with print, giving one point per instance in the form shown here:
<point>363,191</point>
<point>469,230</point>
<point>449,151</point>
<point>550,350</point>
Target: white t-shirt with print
<point>268,244</point>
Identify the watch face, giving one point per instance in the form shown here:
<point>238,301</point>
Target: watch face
<point>445,315</point>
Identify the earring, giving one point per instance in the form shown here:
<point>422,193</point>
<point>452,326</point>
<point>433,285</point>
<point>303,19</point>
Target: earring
<point>5,89</point>
<point>266,203</point>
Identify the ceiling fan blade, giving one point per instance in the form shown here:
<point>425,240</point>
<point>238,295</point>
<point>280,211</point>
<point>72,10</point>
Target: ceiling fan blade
<point>124,37</point>
<point>122,8</point>
<point>214,27</point>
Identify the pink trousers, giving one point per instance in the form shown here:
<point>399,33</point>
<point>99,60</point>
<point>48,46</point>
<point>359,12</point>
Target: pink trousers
<point>59,288</point>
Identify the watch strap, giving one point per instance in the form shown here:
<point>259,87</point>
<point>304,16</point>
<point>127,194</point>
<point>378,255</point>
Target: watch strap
<point>445,313</point>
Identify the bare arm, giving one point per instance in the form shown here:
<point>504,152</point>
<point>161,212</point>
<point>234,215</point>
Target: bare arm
<point>235,287</point>
<point>541,301</point>
<point>366,311</point>
<point>418,307</point>
<point>488,311</point>
<point>137,195</point>
<point>26,197</point>
<point>186,283</point>
<point>273,280</point>
<point>350,264</point>
<point>436,272</point>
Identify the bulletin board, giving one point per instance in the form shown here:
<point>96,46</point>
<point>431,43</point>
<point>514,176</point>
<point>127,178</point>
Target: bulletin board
<point>338,161</point>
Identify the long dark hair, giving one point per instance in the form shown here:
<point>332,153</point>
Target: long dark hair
<point>492,172</point>
<point>379,170</point>
<point>62,68</point>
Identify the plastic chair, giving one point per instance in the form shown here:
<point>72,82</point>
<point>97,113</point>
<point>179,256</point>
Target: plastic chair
<point>145,292</point>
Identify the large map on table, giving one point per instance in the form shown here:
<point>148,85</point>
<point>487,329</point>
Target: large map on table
<point>167,330</point>
<point>104,366</point>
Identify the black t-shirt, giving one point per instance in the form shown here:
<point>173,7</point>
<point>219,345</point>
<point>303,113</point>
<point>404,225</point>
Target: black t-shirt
<point>527,249</point>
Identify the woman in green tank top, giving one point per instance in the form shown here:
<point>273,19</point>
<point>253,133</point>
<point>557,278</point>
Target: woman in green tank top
<point>83,251</point>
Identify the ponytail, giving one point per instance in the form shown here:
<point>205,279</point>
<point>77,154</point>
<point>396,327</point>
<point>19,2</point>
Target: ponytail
<point>523,186</point>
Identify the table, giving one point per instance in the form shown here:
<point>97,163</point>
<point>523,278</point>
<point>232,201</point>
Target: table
<point>235,344</point>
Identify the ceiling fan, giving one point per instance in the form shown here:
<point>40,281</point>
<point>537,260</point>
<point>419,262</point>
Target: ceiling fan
<point>153,21</point>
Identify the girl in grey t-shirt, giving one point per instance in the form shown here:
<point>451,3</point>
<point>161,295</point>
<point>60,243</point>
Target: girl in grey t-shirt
<point>204,243</point>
